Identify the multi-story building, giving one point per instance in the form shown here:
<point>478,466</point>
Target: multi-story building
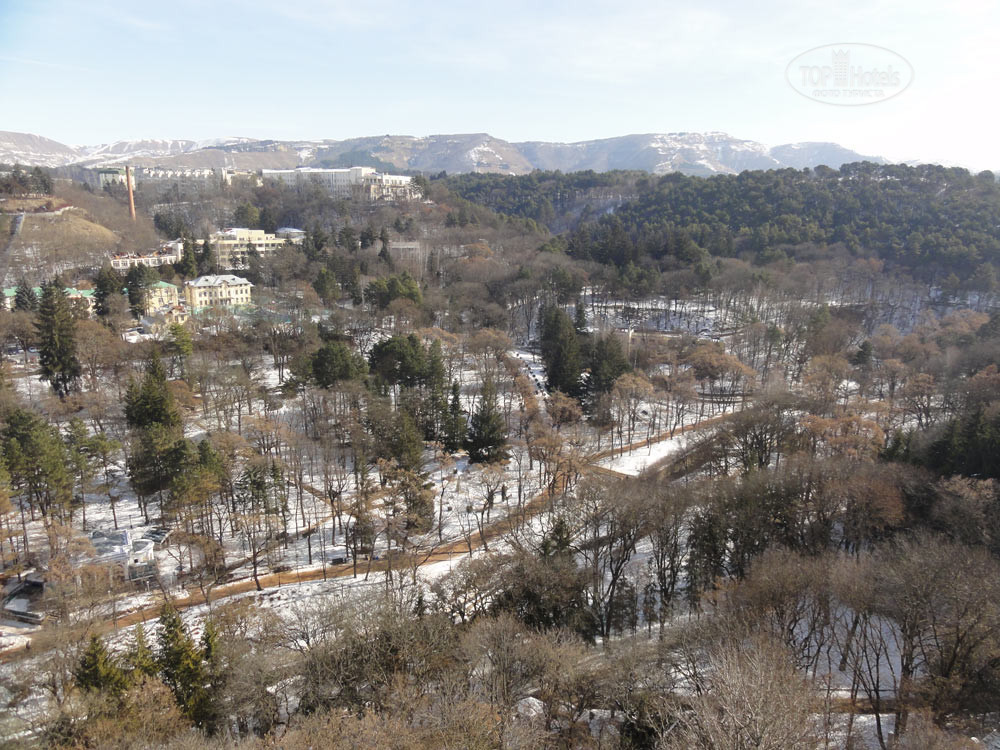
<point>232,246</point>
<point>349,182</point>
<point>169,253</point>
<point>224,290</point>
<point>113,176</point>
<point>161,295</point>
<point>164,178</point>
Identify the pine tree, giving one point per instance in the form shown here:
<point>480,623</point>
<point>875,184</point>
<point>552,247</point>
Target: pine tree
<point>580,317</point>
<point>407,445</point>
<point>385,257</point>
<point>107,285</point>
<point>151,402</point>
<point>181,345</point>
<point>81,459</point>
<point>56,330</point>
<point>206,258</point>
<point>188,266</point>
<point>326,286</point>
<point>98,671</point>
<point>436,386</point>
<point>138,280</point>
<point>36,458</point>
<point>335,362</point>
<point>180,663</point>
<point>560,351</point>
<point>487,438</point>
<point>455,425</point>
<point>25,298</point>
<point>205,709</point>
<point>607,364</point>
<point>140,658</point>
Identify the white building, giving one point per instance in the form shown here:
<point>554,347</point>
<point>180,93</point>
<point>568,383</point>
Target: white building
<point>290,233</point>
<point>168,254</point>
<point>349,182</point>
<point>120,548</point>
<point>162,177</point>
<point>224,290</point>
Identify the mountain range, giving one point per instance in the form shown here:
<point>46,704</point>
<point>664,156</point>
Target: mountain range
<point>658,153</point>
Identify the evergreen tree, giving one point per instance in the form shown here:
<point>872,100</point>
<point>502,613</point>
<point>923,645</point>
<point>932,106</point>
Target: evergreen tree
<point>326,286</point>
<point>138,281</point>
<point>98,671</point>
<point>139,657</point>
<point>400,360</point>
<point>247,215</point>
<point>580,318</point>
<point>181,345</point>
<point>560,351</point>
<point>180,663</point>
<point>385,257</point>
<point>487,438</point>
<point>107,285</point>
<point>188,266</point>
<point>56,330</point>
<point>347,238</point>
<point>437,398</point>
<point>455,425</point>
<point>36,459</point>
<point>206,258</point>
<point>151,402</point>
<point>205,710</point>
<point>368,237</point>
<point>254,272</point>
<point>335,362</point>
<point>25,298</point>
<point>607,364</point>
<point>407,445</point>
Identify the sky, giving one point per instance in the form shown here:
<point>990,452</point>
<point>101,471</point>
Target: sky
<point>84,73</point>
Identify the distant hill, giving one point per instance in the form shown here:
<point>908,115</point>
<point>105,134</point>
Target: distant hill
<point>658,153</point>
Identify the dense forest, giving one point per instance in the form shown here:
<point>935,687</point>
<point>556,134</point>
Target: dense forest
<point>931,221</point>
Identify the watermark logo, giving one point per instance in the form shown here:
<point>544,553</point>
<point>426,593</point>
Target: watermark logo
<point>849,74</point>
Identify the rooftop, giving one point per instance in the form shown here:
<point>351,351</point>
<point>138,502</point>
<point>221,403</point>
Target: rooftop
<point>226,279</point>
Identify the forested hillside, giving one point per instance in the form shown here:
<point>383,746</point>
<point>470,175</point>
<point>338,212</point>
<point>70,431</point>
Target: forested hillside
<point>931,221</point>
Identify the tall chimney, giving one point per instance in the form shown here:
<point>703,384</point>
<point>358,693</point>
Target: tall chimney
<point>131,198</point>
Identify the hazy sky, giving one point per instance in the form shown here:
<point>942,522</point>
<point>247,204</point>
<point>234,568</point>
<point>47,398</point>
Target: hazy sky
<point>103,70</point>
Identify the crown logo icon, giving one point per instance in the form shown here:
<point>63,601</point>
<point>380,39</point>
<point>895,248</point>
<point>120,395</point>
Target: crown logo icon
<point>841,60</point>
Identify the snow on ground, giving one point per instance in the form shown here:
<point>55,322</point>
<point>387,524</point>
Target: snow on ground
<point>635,462</point>
<point>14,635</point>
<point>860,730</point>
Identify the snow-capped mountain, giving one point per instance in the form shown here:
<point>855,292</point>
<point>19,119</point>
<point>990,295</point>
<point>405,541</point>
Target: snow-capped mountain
<point>658,153</point>
<point>35,151</point>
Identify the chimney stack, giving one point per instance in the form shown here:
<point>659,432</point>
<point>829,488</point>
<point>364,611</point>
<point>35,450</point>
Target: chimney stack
<point>131,198</point>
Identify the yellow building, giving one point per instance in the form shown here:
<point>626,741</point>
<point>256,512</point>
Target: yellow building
<point>224,290</point>
<point>232,246</point>
<point>161,295</point>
